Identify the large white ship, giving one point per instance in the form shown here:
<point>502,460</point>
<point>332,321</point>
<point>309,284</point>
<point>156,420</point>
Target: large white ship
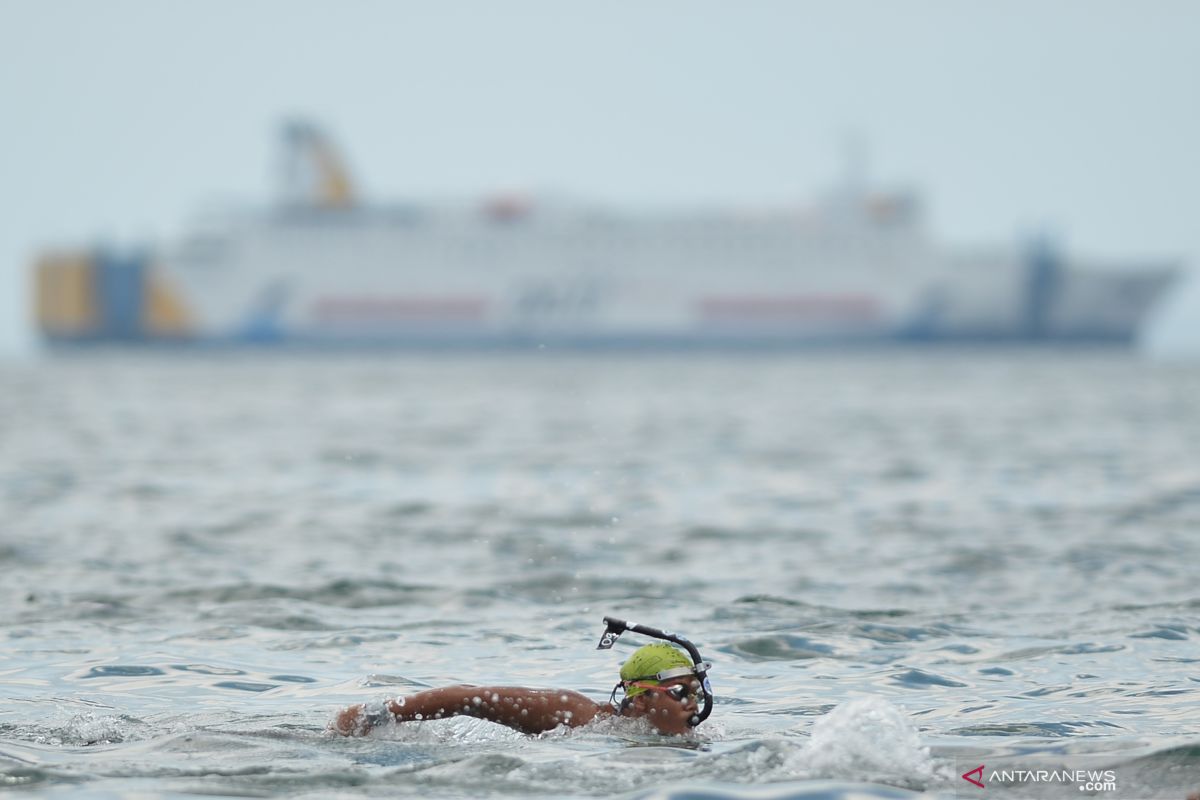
<point>321,268</point>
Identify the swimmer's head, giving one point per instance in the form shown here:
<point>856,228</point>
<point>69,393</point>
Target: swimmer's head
<point>660,678</point>
<point>651,664</point>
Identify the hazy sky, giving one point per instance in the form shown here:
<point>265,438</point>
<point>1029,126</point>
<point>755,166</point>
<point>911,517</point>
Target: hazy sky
<point>120,120</point>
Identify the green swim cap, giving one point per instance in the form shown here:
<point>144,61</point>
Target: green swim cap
<point>649,660</point>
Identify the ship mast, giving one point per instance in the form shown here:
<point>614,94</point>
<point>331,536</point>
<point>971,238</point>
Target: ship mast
<point>314,175</point>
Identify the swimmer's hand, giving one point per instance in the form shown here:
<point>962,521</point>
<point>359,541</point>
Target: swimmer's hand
<point>358,720</point>
<point>525,710</point>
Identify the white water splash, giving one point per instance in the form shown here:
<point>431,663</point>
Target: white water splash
<point>868,739</point>
<point>864,741</point>
<point>454,730</point>
<point>87,729</point>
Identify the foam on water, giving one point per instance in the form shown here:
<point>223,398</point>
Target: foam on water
<point>87,729</point>
<point>864,740</point>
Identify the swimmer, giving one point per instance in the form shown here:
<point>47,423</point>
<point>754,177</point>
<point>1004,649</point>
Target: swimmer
<point>660,682</point>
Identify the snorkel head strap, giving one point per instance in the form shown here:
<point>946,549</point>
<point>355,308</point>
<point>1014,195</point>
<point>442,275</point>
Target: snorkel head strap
<point>615,627</point>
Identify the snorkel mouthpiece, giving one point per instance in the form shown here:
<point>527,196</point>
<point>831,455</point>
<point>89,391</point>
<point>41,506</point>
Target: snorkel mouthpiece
<point>654,662</point>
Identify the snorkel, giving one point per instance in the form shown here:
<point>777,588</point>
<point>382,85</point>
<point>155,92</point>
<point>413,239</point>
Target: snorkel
<point>615,627</point>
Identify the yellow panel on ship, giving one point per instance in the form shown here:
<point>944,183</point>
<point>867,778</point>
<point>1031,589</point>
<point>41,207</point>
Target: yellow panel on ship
<point>164,313</point>
<point>65,297</point>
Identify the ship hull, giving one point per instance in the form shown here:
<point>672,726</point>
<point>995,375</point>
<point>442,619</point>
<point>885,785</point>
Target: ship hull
<point>580,280</point>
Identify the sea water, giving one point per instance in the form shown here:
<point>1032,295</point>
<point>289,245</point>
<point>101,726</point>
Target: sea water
<point>901,564</point>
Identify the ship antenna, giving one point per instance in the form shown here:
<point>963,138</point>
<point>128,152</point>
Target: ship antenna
<point>855,165</point>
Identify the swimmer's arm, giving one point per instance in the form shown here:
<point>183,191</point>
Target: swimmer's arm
<point>526,710</point>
